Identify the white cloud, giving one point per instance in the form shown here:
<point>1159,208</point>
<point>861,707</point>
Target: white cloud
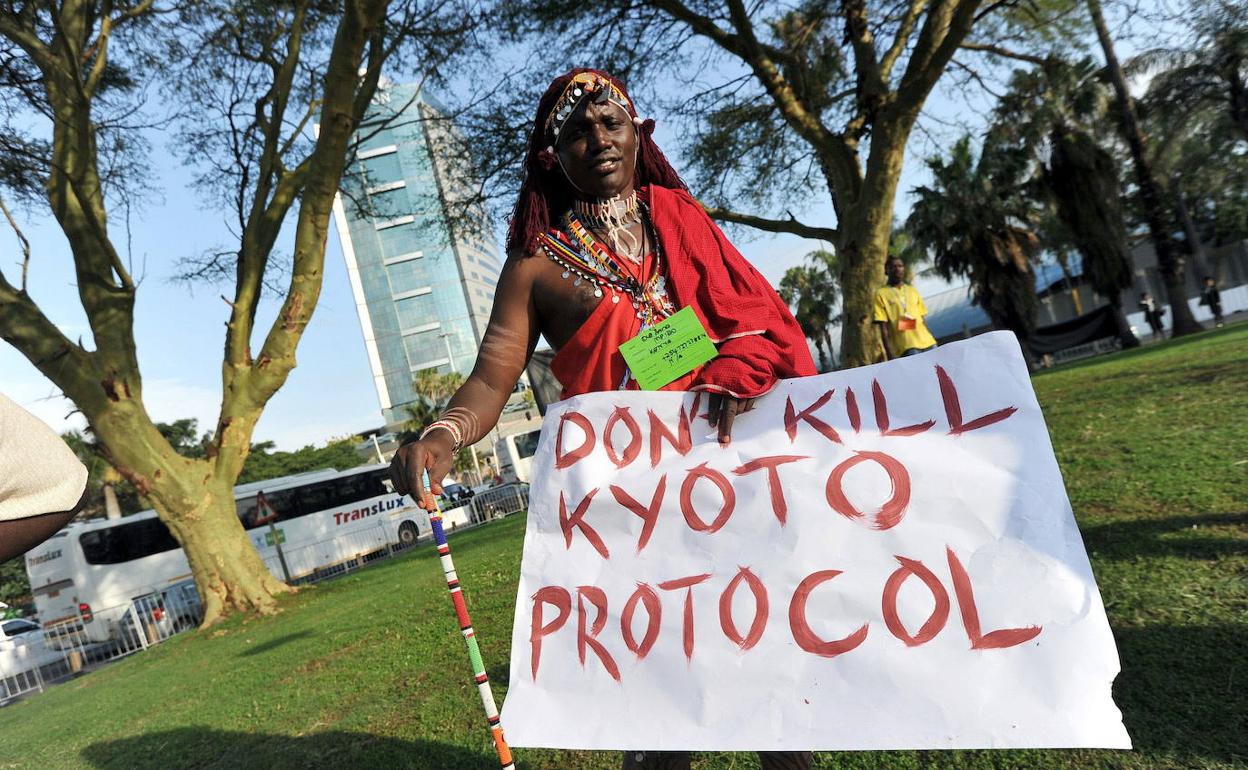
<point>166,400</point>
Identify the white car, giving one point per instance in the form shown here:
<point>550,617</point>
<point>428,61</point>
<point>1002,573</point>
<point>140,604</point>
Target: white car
<point>23,649</point>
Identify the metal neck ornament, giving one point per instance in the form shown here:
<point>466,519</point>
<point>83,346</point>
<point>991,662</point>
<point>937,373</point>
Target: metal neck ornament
<point>614,218</point>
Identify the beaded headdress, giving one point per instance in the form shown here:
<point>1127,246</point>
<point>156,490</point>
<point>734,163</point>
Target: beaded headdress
<point>588,84</point>
<point>545,193</point>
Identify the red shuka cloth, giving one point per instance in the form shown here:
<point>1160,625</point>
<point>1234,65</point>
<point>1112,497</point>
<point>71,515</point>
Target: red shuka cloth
<point>758,339</point>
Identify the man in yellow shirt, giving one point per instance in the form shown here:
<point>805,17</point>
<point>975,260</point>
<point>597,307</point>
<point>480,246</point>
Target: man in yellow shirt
<point>898,315</point>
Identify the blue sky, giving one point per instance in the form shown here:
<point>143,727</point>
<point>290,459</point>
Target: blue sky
<point>179,329</point>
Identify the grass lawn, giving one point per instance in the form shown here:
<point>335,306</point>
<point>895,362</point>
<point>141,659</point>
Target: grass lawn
<point>370,671</point>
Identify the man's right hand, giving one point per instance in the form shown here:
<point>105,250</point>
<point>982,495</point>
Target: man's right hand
<point>434,454</point>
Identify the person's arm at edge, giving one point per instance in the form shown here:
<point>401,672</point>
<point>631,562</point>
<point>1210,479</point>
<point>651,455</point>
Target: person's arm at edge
<point>879,317</point>
<point>506,346</point>
<point>882,328</point>
<point>17,536</point>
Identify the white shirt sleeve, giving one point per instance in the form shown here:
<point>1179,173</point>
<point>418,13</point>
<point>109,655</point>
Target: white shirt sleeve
<point>38,472</point>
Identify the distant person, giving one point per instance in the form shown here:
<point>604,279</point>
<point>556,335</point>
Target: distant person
<point>1210,296</point>
<point>1152,313</point>
<point>899,312</point>
<point>42,482</point>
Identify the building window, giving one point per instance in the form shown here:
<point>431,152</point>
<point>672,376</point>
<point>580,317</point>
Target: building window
<point>400,258</point>
<point>377,152</point>
<point>422,328</point>
<point>387,187</point>
<point>407,219</point>
<point>382,169</point>
<point>413,293</point>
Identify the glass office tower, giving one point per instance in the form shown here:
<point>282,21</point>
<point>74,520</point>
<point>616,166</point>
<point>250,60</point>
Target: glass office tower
<point>423,287</point>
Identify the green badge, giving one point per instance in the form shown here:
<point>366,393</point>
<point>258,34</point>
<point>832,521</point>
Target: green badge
<point>669,350</point>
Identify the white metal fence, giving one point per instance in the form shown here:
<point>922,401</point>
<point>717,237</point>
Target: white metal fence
<point>67,648</point>
<point>500,501</point>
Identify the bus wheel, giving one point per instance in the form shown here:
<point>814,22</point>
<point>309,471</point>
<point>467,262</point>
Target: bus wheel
<point>407,534</point>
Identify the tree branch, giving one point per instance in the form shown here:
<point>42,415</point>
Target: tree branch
<point>24,326</point>
<point>997,50</point>
<point>790,225</point>
<point>904,30</point>
<point>21,239</point>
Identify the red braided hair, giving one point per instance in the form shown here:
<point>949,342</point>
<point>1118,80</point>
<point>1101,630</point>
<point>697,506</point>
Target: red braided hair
<point>545,192</point>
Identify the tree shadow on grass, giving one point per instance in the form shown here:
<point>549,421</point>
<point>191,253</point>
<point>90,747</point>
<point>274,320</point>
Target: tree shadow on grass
<point>1182,536</point>
<point>273,644</point>
<point>1182,690</point>
<point>203,747</point>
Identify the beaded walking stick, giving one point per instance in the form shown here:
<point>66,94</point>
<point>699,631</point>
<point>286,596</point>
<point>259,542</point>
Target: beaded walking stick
<point>470,636</point>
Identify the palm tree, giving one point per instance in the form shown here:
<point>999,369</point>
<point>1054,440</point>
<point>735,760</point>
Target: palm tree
<point>810,290</point>
<point>433,391</point>
<point>1058,114</point>
<point>1208,73</point>
<point>974,222</point>
<point>1169,262</point>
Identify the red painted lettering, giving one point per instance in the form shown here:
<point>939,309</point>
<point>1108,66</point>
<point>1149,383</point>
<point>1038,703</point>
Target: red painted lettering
<point>791,417</point>
<point>561,600</point>
<point>564,459</point>
<point>682,442</point>
<point>586,638</point>
<point>881,415</point>
<point>851,409</point>
<point>761,609</point>
<point>802,632</point>
<point>686,498</point>
<point>953,408</point>
<point>621,415</point>
<point>779,505</point>
<point>577,519</point>
<point>686,583</point>
<point>649,514</point>
<point>940,613</point>
<point>1005,637</point>
<point>891,513</point>
<point>648,597</point>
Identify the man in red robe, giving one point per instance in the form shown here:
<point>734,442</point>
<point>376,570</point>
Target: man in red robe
<point>605,240</point>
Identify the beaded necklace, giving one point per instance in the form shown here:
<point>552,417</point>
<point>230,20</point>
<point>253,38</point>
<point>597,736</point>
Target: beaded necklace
<point>593,261</point>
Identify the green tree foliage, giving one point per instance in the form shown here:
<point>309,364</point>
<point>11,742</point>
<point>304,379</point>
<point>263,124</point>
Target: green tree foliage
<point>776,105</point>
<point>1196,110</point>
<point>433,392</point>
<point>1157,214</point>
<point>974,223</point>
<point>810,291</point>
<point>1057,114</point>
<point>245,82</point>
<point>1207,71</point>
<point>265,463</point>
<point>14,584</point>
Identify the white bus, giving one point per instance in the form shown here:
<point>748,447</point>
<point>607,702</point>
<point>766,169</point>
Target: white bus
<point>515,456</point>
<point>90,572</point>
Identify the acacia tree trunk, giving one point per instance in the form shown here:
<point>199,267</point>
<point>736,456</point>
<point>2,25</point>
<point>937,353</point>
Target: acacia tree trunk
<point>1169,261</point>
<point>194,497</point>
<point>865,229</point>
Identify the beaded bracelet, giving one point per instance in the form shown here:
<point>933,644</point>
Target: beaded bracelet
<point>447,426</point>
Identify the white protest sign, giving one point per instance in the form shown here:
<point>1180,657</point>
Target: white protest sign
<point>882,558</point>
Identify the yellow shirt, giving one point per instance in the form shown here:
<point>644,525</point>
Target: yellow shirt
<point>894,304</point>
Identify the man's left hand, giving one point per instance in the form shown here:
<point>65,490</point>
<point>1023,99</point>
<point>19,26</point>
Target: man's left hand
<point>723,410</point>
